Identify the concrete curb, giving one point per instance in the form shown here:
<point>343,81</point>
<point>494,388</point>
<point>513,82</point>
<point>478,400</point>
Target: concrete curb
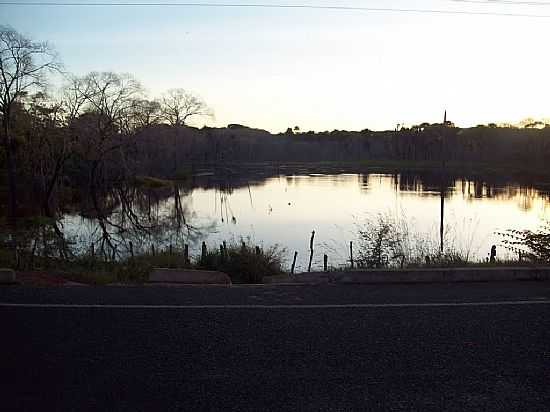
<point>442,275</point>
<point>162,276</point>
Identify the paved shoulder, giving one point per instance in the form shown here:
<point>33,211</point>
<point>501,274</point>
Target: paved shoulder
<point>421,294</point>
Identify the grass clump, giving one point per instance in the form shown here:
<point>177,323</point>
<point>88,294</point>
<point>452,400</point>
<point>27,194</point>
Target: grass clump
<point>244,263</point>
<point>128,270</point>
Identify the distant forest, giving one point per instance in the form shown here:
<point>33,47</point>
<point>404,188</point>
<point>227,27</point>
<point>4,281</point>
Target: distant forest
<point>159,147</point>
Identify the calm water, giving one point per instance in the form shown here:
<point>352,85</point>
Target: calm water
<point>285,210</point>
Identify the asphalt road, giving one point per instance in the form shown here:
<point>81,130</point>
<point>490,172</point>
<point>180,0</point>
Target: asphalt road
<point>439,347</point>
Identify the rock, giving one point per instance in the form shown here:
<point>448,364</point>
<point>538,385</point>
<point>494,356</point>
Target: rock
<point>189,277</point>
<point>7,276</point>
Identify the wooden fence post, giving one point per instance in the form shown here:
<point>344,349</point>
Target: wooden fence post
<point>92,254</point>
<point>325,263</point>
<point>203,253</point>
<point>311,250</point>
<point>186,253</point>
<point>294,263</point>
<point>351,253</point>
<point>33,250</point>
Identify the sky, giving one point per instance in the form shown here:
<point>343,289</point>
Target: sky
<point>274,68</point>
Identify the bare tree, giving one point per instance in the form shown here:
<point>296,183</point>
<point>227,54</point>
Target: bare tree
<point>178,105</point>
<point>101,105</point>
<point>105,104</point>
<point>73,98</point>
<point>111,96</point>
<point>23,64</point>
<point>144,113</point>
<point>104,127</point>
<point>48,147</point>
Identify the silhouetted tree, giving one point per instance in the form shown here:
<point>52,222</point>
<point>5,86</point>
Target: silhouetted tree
<point>145,113</point>
<point>104,125</point>
<point>178,106</point>
<point>23,64</point>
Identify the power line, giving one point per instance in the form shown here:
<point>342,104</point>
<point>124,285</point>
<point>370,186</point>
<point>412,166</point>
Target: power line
<point>503,2</point>
<point>276,6</point>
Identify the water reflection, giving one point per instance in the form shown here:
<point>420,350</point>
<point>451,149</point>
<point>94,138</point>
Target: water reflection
<point>284,209</point>
<point>287,208</point>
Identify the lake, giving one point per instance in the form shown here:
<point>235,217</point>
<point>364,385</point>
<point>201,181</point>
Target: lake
<point>285,208</point>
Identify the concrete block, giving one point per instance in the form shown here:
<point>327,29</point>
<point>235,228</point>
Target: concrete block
<point>188,277</point>
<point>473,274</point>
<point>423,275</point>
<point>7,276</point>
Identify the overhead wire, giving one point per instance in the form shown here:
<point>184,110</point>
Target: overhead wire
<point>280,6</point>
<point>503,2</point>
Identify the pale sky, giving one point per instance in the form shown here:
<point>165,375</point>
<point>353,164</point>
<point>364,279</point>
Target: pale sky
<point>318,69</point>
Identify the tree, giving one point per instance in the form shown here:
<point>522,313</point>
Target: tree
<point>145,113</point>
<point>23,64</point>
<point>48,146</point>
<point>178,105</point>
<point>112,97</point>
<point>530,123</point>
<point>106,104</point>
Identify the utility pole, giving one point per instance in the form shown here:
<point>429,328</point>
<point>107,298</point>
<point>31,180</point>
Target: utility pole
<point>442,187</point>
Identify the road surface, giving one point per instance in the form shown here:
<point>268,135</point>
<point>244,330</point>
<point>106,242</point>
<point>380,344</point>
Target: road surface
<point>435,347</point>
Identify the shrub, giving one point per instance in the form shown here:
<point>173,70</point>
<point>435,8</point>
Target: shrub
<point>531,245</point>
<point>244,264</point>
<point>379,243</point>
<point>387,241</point>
